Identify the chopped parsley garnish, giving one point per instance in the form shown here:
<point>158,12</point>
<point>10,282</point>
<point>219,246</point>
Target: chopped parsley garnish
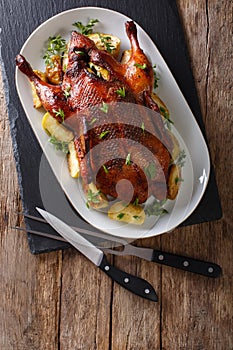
<point>128,161</point>
<point>150,170</point>
<point>178,179</point>
<point>67,91</point>
<point>78,52</point>
<point>86,29</point>
<point>98,73</point>
<point>143,127</point>
<point>120,216</point>
<point>95,69</point>
<point>156,208</point>
<point>105,169</point>
<point>92,197</point>
<point>136,217</point>
<point>104,107</point>
<point>121,92</point>
<point>165,114</point>
<point>59,145</point>
<point>103,134</point>
<point>59,113</point>
<point>105,41</point>
<point>141,66</point>
<point>92,121</point>
<point>156,78</point>
<point>181,158</point>
<point>56,46</point>
<point>136,202</point>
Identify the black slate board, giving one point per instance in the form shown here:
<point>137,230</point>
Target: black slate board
<point>18,19</point>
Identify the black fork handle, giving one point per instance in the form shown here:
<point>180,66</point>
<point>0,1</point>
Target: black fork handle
<point>187,264</point>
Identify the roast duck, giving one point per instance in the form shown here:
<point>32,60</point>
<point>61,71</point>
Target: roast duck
<point>117,135</point>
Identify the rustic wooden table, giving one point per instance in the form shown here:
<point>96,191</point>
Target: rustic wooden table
<point>60,300</point>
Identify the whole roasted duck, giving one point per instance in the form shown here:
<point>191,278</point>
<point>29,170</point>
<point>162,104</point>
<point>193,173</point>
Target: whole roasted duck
<point>117,139</point>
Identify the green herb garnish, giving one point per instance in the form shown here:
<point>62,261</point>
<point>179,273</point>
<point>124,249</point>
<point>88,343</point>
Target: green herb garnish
<point>156,208</point>
<point>156,78</point>
<point>67,91</point>
<point>105,41</point>
<point>136,202</point>
<point>120,216</point>
<point>98,74</point>
<point>178,179</point>
<point>94,70</point>
<point>92,197</point>
<point>104,107</point>
<point>136,217</point>
<point>59,113</point>
<point>143,127</point>
<point>86,29</point>
<point>181,158</point>
<point>78,52</point>
<point>141,66</point>
<point>105,169</point>
<point>92,121</point>
<point>150,170</point>
<point>59,145</point>
<point>103,134</point>
<point>165,114</point>
<point>121,92</point>
<point>56,46</point>
<point>128,161</point>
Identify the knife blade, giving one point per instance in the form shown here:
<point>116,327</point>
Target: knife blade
<point>132,283</point>
<point>201,267</point>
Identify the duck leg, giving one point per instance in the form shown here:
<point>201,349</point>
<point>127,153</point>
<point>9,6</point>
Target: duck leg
<point>138,69</point>
<point>52,96</point>
<point>137,72</point>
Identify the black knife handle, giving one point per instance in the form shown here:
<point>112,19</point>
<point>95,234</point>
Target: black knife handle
<point>188,264</point>
<point>134,284</point>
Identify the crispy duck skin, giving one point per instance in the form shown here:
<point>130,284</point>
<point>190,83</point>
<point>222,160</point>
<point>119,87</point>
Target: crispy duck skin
<point>139,79</point>
<point>51,96</point>
<point>86,89</point>
<point>103,158</point>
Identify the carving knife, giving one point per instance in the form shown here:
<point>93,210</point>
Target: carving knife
<point>201,267</point>
<point>132,283</point>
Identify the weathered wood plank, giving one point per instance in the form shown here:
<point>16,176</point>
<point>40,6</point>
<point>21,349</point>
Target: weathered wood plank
<point>199,316</point>
<point>85,304</point>
<point>29,285</point>
<point>136,322</point>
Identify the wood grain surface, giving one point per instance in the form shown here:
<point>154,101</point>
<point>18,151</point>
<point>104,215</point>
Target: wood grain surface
<point>60,301</point>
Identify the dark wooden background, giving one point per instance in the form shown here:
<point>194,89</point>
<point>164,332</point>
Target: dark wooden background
<point>59,300</point>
